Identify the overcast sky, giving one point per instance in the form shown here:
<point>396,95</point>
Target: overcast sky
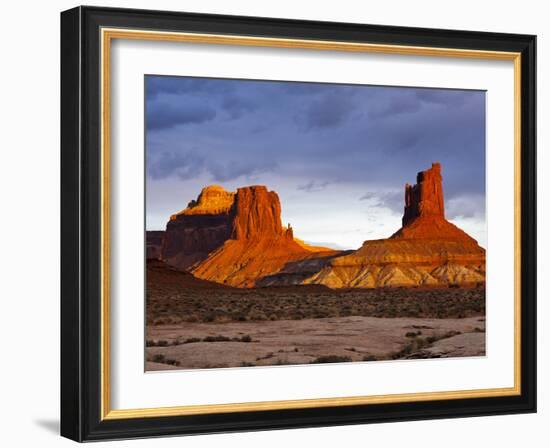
<point>337,155</point>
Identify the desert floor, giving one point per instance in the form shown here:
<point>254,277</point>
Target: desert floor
<point>338,339</point>
<point>193,324</point>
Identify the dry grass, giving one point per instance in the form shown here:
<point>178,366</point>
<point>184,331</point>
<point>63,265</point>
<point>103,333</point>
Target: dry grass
<point>234,305</point>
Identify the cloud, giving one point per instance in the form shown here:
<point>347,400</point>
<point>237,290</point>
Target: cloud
<point>189,165</point>
<point>167,114</point>
<point>395,105</point>
<point>329,111</point>
<point>443,97</point>
<point>465,206</point>
<point>185,165</point>
<point>303,88</point>
<point>313,186</point>
<point>237,106</point>
<point>393,200</point>
<point>234,169</point>
<point>298,136</point>
<point>174,85</point>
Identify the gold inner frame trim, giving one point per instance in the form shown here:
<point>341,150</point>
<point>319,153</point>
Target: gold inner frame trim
<point>107,35</point>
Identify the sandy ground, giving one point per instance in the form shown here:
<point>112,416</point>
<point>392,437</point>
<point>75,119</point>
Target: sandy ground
<point>354,338</point>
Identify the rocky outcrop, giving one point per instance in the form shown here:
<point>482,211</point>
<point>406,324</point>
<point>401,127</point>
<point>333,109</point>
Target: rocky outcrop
<point>257,214</point>
<point>424,213</point>
<point>427,251</point>
<point>212,200</point>
<point>233,238</point>
<point>425,198</point>
<point>153,244</point>
<point>237,238</point>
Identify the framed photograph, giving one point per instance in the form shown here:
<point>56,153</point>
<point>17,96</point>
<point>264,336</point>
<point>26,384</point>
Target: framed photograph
<point>273,223</point>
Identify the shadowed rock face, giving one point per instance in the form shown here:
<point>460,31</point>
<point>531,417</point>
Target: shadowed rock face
<point>154,239</point>
<point>232,238</point>
<point>202,227</point>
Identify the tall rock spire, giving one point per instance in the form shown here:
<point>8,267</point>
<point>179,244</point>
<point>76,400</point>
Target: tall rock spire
<point>424,214</point>
<point>257,214</point>
<point>425,198</point>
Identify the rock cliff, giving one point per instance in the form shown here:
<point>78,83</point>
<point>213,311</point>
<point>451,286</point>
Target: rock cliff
<point>427,251</point>
<point>237,238</point>
<point>153,246</point>
<point>425,198</point>
<point>233,238</point>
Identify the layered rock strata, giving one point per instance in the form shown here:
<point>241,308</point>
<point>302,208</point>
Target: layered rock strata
<point>233,238</point>
<point>427,251</point>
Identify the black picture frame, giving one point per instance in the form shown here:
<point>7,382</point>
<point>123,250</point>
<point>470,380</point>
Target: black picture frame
<point>81,224</point>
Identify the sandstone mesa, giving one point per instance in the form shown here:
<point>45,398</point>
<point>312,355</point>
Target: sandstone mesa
<point>237,238</point>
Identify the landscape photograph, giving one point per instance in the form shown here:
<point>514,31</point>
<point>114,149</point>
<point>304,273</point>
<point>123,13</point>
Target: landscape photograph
<point>299,223</point>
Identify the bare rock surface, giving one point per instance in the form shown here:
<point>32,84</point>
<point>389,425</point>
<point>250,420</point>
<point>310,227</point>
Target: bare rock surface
<point>354,338</point>
<point>468,344</point>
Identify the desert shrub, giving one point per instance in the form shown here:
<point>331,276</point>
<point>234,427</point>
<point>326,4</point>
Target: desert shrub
<point>246,338</point>
<point>256,314</point>
<point>450,334</point>
<point>431,339</point>
<point>209,317</point>
<point>412,334</point>
<point>247,364</point>
<point>153,343</point>
<point>331,359</point>
<point>191,340</point>
<point>158,358</point>
<point>168,307</point>
<point>218,338</point>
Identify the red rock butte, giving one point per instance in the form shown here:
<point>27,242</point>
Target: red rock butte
<point>427,251</point>
<point>426,197</point>
<point>237,238</point>
<point>234,238</point>
<point>424,213</point>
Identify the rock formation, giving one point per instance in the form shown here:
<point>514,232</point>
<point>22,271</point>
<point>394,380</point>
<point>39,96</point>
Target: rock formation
<point>427,250</point>
<point>233,238</point>
<point>236,238</point>
<point>153,244</point>
<point>426,197</point>
<point>202,227</point>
